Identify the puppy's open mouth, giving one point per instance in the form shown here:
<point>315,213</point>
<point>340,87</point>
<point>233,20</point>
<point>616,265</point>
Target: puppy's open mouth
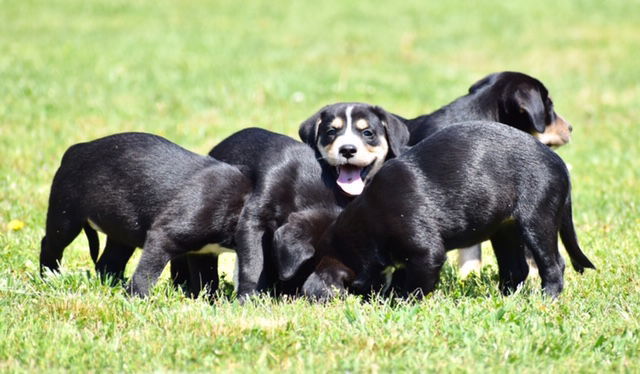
<point>351,178</point>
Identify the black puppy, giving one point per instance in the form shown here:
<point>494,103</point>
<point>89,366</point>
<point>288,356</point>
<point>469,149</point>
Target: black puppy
<point>352,140</point>
<point>293,200</point>
<point>497,184</point>
<point>141,190</point>
<point>512,98</point>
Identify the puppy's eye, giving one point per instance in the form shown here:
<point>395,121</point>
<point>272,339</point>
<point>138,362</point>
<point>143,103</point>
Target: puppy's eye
<point>367,133</point>
<point>331,131</point>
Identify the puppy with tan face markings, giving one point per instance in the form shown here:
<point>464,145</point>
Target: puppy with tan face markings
<point>354,140</point>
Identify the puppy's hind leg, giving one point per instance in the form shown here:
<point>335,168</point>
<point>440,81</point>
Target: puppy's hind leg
<point>469,260</point>
<point>180,272</point>
<point>94,242</point>
<point>542,239</point>
<point>157,252</point>
<point>509,248</point>
<point>203,274</point>
<point>114,259</point>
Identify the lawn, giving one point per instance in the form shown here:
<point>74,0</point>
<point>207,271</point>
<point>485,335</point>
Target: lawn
<point>195,71</point>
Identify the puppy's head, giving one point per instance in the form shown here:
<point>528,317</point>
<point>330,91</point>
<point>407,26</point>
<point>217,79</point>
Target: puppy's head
<point>295,242</point>
<point>331,278</point>
<point>355,139</point>
<point>300,248</point>
<point>345,262</point>
<point>524,103</point>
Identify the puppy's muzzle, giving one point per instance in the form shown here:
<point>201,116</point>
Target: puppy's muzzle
<point>348,151</point>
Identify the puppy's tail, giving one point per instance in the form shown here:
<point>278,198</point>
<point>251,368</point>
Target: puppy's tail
<point>48,260</point>
<point>568,236</point>
<point>94,243</point>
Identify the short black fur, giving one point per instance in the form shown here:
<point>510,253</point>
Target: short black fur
<point>142,190</point>
<point>512,98</point>
<point>498,184</point>
<point>293,200</point>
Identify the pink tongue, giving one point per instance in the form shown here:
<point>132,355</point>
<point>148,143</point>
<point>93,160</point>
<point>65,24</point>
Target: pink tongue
<point>349,180</point>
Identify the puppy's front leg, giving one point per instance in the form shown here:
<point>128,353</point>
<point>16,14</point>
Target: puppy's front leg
<point>423,271</point>
<point>203,274</point>
<point>251,246</point>
<point>114,259</point>
<point>509,248</point>
<point>155,256</point>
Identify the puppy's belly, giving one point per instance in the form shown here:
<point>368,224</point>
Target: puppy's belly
<point>211,249</point>
<point>474,234</point>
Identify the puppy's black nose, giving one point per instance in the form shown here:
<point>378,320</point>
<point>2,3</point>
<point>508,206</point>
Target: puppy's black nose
<point>348,150</point>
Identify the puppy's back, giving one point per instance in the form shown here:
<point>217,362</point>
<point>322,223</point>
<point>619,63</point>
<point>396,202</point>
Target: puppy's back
<point>129,154</point>
<point>466,169</point>
<point>255,150</point>
<point>126,175</point>
<point>274,162</point>
<point>478,148</point>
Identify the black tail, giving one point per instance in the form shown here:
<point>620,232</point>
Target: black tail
<point>568,236</point>
<point>47,259</point>
<point>94,243</point>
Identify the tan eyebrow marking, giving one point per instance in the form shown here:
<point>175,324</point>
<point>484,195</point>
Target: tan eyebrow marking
<point>362,124</point>
<point>337,122</point>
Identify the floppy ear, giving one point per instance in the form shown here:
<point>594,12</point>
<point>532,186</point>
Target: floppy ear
<point>291,250</point>
<point>308,131</point>
<point>529,103</point>
<point>397,132</point>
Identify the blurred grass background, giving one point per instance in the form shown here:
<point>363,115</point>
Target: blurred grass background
<point>195,71</point>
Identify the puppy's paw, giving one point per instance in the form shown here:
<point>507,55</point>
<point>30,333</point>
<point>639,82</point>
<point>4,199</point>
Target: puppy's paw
<point>134,291</point>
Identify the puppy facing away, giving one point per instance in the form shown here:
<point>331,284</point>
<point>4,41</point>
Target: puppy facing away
<point>142,191</point>
<point>293,200</point>
<point>512,98</point>
<point>352,141</point>
<point>498,184</point>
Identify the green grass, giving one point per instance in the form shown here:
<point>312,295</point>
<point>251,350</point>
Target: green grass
<point>195,71</point>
